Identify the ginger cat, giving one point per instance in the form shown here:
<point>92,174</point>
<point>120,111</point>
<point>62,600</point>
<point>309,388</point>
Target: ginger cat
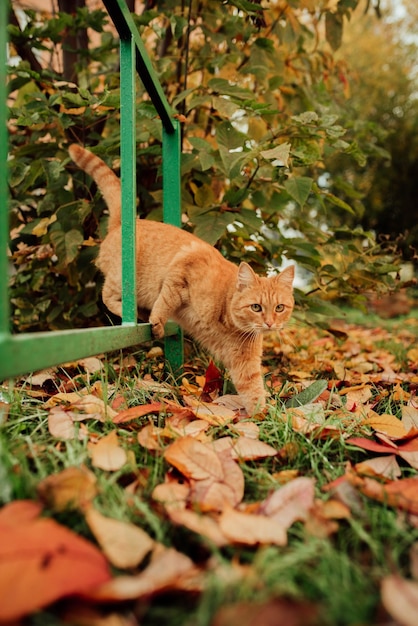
<point>223,307</point>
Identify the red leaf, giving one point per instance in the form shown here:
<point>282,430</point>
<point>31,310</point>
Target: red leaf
<point>42,561</point>
<point>213,379</point>
<point>373,446</point>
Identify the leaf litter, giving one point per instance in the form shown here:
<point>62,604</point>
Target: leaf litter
<point>207,450</point>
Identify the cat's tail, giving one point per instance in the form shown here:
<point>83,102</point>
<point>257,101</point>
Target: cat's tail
<point>106,180</point>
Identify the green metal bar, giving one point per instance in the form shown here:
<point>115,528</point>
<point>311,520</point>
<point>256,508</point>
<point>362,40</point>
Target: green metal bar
<point>4,211</point>
<point>126,28</point>
<point>29,352</point>
<point>128,179</point>
<point>172,215</point>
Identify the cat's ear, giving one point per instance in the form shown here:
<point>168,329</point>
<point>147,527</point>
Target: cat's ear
<point>246,276</point>
<point>286,276</point>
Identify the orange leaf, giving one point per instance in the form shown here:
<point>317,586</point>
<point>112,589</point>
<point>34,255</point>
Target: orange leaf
<point>200,524</point>
<point>386,466</point>
<point>124,544</point>
<point>387,424</point>
<point>194,459</point>
<point>166,570</point>
<point>19,512</point>
<point>248,449</point>
<point>291,502</point>
<point>74,487</point>
<point>249,529</point>
<point>42,561</point>
<point>107,453</point>
<point>137,411</point>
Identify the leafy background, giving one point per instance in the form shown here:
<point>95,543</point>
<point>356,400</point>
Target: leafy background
<point>286,148</point>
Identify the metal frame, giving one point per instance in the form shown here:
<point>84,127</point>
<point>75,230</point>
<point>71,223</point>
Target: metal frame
<point>27,352</point>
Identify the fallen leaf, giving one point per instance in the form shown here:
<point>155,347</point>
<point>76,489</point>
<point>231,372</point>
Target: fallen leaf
<point>94,406</point>
<point>357,397</point>
<point>137,411</point>
<point>386,423</point>
<point>165,571</point>
<point>107,454</point>
<point>19,512</point>
<point>400,599</point>
<point>277,612</point>
<point>172,494</point>
<point>91,364</point>
<point>124,544</point>
<point>401,494</point>
<point>386,466</point>
<point>290,503</point>
<point>41,562</point>
<point>194,459</point>
<point>245,448</point>
<point>61,424</point>
<point>73,487</point>
<point>150,437</point>
<point>213,379</point>
<point>203,525</point>
<point>246,429</point>
<point>410,416</point>
<point>249,529</point>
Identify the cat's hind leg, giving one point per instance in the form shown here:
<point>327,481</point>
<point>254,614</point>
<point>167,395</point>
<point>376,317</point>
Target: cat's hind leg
<point>112,297</point>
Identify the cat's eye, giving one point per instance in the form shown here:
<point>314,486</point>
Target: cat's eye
<point>256,308</point>
<point>279,308</point>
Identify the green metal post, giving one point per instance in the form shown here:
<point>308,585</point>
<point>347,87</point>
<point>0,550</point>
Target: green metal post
<point>4,210</point>
<point>128,178</point>
<point>172,215</point>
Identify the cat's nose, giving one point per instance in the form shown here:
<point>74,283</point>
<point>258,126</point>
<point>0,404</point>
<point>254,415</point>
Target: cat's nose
<point>269,323</point>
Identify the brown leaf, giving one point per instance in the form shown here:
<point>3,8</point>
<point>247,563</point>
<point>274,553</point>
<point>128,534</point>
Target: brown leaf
<point>410,416</point>
<point>107,453</point>
<point>201,524</point>
<point>150,437</point>
<point>402,494</point>
<point>290,503</point>
<point>277,612</point>
<point>124,544</point>
<point>74,487</point>
<point>172,494</point>
<point>249,529</point>
<point>386,466</point>
<point>61,425</point>
<point>41,562</point>
<point>166,570</point>
<point>245,448</point>
<point>400,599</point>
<point>194,459</point>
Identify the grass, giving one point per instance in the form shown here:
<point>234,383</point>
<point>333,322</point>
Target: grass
<point>339,573</point>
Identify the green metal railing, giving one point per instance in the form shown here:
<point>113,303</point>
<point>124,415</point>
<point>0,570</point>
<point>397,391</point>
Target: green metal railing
<point>27,352</point>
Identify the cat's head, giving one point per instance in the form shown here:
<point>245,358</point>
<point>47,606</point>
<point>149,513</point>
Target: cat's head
<point>261,304</point>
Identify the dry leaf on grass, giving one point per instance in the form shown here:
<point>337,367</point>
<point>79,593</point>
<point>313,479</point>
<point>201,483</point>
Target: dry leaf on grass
<point>277,612</point>
<point>290,503</point>
<point>137,411</point>
<point>203,525</point>
<point>61,424</point>
<point>249,529</point>
<point>124,544</point>
<point>107,454</point>
<point>385,466</point>
<point>166,571</point>
<point>194,459</point>
<point>41,562</point>
<point>386,423</point>
<point>74,487</point>
<point>400,599</point>
<point>401,494</point>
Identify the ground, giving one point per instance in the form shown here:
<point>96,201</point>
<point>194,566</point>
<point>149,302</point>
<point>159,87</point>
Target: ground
<point>133,498</point>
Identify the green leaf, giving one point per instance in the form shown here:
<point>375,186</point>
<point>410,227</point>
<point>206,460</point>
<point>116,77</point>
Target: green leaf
<point>308,395</point>
<point>66,244</point>
<point>299,188</point>
<point>334,29</point>
<point>211,225</point>
<point>225,88</point>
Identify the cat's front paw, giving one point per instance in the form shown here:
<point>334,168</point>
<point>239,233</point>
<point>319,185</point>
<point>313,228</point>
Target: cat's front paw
<point>157,327</point>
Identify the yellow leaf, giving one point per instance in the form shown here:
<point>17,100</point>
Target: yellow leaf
<point>74,487</point>
<point>387,424</point>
